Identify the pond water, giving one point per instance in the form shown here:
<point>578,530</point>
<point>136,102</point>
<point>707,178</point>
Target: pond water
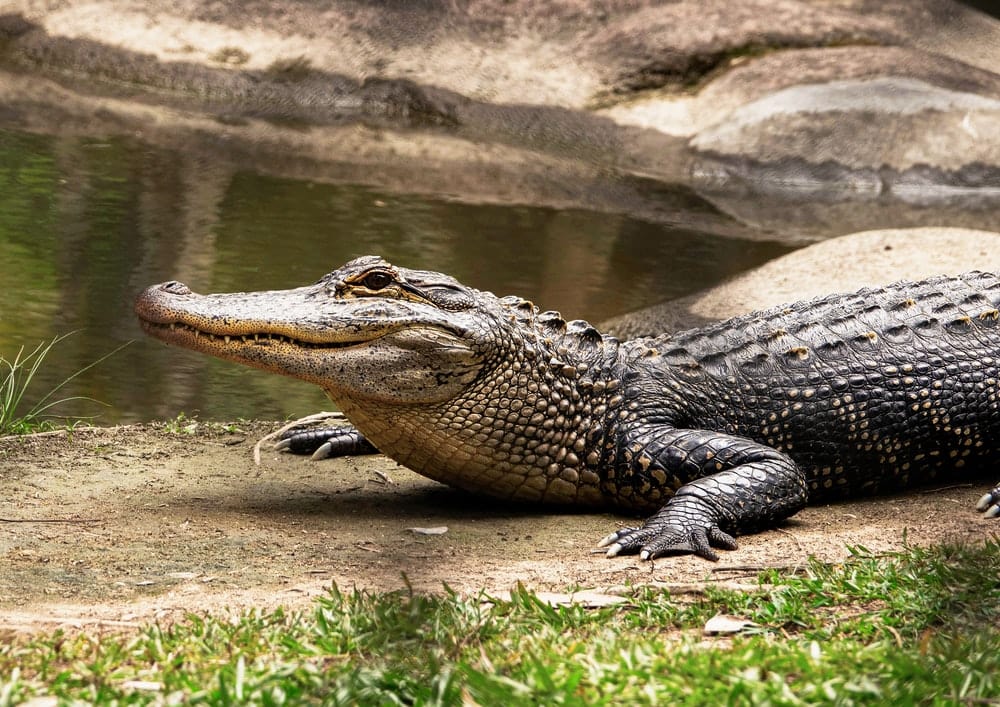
<point>85,224</point>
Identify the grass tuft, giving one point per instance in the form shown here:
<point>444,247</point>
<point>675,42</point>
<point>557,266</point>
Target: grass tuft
<point>15,377</point>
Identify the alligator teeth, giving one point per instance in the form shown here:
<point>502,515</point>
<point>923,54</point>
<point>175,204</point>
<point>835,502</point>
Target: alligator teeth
<point>256,337</point>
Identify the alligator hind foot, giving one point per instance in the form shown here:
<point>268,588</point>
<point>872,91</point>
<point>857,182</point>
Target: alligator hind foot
<point>657,539</point>
<point>685,525</point>
<point>326,442</point>
<point>989,504</point>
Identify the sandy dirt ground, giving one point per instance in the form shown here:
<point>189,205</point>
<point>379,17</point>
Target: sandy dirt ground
<point>114,527</point>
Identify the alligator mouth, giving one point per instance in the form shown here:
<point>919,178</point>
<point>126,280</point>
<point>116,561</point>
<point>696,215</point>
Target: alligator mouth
<point>177,332</point>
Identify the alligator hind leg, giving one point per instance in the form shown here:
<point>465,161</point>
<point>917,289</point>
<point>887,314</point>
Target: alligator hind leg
<point>734,485</point>
<point>989,504</point>
<point>325,442</point>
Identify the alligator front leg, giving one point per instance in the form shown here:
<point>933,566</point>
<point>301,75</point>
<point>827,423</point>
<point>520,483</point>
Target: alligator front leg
<point>735,485</point>
<point>326,442</point>
<point>989,504</point>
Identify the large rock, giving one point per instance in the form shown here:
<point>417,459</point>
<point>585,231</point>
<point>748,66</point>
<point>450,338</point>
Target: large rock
<point>840,264</point>
<point>896,101</point>
<point>862,137</point>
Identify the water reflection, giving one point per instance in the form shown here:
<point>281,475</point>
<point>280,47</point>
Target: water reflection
<point>87,223</point>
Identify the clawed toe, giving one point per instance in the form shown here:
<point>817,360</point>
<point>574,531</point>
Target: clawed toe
<point>615,537</point>
<point>694,542</point>
<point>608,540</point>
<point>989,504</point>
<point>613,550</point>
<point>326,442</point>
<point>324,451</point>
<point>651,543</point>
<point>720,538</point>
<point>624,541</point>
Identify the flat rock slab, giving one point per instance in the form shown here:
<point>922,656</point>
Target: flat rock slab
<point>115,526</point>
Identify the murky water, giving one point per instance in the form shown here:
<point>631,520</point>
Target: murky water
<point>86,223</point>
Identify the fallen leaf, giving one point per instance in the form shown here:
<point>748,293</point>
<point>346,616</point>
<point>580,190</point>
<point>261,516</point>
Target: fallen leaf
<point>436,530</point>
<point>724,623</point>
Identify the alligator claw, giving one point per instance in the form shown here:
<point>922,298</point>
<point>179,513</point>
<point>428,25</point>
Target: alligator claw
<point>323,451</point>
<point>661,537</point>
<point>325,442</point>
<point>989,504</point>
<point>622,541</point>
<point>698,541</point>
<point>612,550</point>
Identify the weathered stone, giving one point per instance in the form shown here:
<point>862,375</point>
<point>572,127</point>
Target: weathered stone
<point>681,45</point>
<point>885,125</point>
<point>842,102</point>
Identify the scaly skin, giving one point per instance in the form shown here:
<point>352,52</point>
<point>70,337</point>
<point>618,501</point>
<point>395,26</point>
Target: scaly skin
<point>717,431</point>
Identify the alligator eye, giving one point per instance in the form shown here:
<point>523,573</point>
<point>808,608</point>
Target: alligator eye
<point>377,280</point>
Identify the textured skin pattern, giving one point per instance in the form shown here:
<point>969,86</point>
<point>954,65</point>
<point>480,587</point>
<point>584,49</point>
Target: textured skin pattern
<point>717,431</point>
<point>325,442</point>
<point>866,393</point>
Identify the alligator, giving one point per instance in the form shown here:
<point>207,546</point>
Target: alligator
<point>718,431</point>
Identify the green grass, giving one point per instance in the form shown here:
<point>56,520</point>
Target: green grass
<point>21,416</point>
<point>919,627</point>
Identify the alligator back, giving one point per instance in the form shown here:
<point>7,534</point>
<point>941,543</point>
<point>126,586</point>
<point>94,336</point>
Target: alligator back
<point>870,391</point>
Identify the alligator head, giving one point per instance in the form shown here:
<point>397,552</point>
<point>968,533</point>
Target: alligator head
<point>455,383</point>
<point>370,332</point>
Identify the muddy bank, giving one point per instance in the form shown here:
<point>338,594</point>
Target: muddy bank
<point>131,523</point>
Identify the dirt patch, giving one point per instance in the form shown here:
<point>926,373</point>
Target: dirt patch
<point>115,526</point>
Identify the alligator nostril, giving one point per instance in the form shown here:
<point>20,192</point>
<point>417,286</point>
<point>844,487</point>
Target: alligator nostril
<point>175,288</point>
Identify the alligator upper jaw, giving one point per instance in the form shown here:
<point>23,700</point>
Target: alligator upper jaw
<point>275,330</point>
<point>339,344</point>
<point>171,311</point>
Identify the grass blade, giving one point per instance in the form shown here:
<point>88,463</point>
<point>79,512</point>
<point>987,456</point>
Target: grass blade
<point>19,372</point>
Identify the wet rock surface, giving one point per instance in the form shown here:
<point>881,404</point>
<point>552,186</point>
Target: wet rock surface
<point>895,101</point>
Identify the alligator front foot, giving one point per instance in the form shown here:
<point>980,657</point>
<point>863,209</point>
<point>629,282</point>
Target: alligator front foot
<point>326,442</point>
<point>682,526</point>
<point>989,504</point>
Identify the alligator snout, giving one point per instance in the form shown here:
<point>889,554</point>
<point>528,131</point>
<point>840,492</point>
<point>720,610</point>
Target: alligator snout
<point>156,304</point>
